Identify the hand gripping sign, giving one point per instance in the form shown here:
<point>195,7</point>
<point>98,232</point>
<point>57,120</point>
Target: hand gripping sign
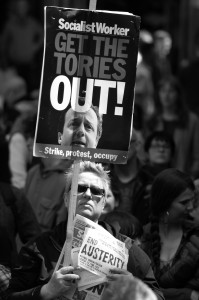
<point>87,85</point>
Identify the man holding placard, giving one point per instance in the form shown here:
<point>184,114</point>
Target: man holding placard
<point>96,53</point>
<point>34,279</point>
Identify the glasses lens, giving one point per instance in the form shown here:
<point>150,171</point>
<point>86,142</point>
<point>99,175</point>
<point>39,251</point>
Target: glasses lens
<point>94,190</point>
<point>82,188</point>
<point>162,146</point>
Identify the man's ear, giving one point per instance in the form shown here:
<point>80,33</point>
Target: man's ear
<point>104,204</point>
<point>96,142</point>
<point>59,138</point>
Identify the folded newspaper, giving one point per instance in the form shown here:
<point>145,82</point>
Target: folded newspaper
<point>95,251</point>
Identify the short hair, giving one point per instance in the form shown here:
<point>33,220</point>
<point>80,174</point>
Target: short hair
<point>160,136</point>
<point>94,108</point>
<point>129,225</point>
<point>88,166</point>
<point>180,101</point>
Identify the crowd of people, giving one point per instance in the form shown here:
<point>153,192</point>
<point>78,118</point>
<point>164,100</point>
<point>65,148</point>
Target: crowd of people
<point>153,199</point>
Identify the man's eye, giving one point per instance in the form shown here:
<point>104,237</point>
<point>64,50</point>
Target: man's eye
<point>73,124</point>
<point>88,126</point>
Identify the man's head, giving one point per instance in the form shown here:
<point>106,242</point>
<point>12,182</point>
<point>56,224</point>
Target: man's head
<point>92,191</point>
<point>160,148</point>
<point>80,129</point>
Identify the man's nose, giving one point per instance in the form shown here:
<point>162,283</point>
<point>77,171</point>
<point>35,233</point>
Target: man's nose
<point>88,193</point>
<point>80,131</point>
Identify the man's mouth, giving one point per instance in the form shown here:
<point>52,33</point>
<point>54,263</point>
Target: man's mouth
<point>78,144</point>
<point>86,205</point>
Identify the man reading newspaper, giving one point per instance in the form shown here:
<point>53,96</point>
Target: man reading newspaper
<point>35,278</point>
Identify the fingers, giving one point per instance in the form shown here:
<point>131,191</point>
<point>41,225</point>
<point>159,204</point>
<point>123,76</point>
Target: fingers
<point>117,273</point>
<point>66,274</point>
<point>66,270</point>
<point>70,277</point>
<point>69,281</point>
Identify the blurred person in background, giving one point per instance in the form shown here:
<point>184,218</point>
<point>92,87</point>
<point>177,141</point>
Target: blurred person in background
<point>160,150</point>
<point>189,74</point>
<point>194,219</point>
<point>22,41</point>
<point>172,245</point>
<point>44,188</point>
<point>161,55</point>
<point>21,139</point>
<point>7,117</point>
<point>144,88</point>
<point>124,175</point>
<point>17,219</point>
<point>127,224</point>
<point>111,203</point>
<point>173,116</point>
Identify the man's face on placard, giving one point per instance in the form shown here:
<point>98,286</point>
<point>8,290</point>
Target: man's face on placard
<point>80,129</point>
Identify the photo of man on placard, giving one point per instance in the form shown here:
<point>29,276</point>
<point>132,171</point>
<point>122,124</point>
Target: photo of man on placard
<point>81,129</point>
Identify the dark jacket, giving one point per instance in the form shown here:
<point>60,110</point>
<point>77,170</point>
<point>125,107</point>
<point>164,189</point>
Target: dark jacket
<point>16,217</point>
<point>182,277</point>
<point>39,258</point>
<point>141,194</point>
<point>44,188</point>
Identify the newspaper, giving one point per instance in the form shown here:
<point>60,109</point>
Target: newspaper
<point>96,252</point>
<point>93,270</point>
<point>99,253</point>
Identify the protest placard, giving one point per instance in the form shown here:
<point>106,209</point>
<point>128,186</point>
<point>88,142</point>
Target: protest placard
<point>89,60</point>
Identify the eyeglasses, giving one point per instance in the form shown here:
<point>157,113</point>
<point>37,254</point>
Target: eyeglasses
<point>95,191</point>
<point>160,146</point>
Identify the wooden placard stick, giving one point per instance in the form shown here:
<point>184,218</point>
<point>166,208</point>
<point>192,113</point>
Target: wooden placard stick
<point>71,213</point>
<point>73,194</point>
<point>92,4</point>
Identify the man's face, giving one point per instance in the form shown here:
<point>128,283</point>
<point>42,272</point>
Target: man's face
<point>90,197</point>
<point>80,129</point>
<point>159,152</point>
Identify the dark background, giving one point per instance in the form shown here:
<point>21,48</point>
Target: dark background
<point>179,17</point>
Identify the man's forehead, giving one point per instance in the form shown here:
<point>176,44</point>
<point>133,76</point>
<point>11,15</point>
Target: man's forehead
<point>90,177</point>
<point>88,115</point>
